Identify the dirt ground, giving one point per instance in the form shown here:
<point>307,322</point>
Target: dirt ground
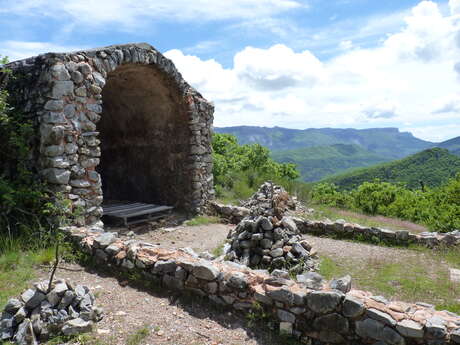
<point>192,322</point>
<point>171,320</point>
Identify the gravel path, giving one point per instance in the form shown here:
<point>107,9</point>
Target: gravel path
<point>170,320</point>
<point>338,249</point>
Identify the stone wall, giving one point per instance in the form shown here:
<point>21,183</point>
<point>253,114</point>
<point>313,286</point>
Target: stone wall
<point>314,316</point>
<point>121,112</point>
<point>342,229</point>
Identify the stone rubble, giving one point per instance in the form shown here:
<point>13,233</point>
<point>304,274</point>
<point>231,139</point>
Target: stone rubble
<point>36,315</point>
<point>265,242</point>
<point>334,316</point>
<point>270,200</point>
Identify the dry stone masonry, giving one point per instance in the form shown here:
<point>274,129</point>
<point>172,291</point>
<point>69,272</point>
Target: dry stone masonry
<point>271,200</point>
<point>117,122</point>
<point>268,243</point>
<point>342,229</point>
<point>321,315</point>
<point>38,315</point>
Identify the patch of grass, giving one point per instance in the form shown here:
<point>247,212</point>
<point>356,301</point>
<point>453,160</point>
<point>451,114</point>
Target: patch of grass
<point>17,269</point>
<point>219,250</point>
<point>329,269</point>
<point>138,336</point>
<point>202,220</point>
<point>410,280</point>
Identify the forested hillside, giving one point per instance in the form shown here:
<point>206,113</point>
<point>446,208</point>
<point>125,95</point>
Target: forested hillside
<point>453,145</point>
<point>387,142</point>
<point>433,166</point>
<point>314,163</point>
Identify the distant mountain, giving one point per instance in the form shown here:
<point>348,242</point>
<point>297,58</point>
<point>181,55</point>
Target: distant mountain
<point>389,143</point>
<point>433,166</point>
<point>453,145</point>
<point>316,162</point>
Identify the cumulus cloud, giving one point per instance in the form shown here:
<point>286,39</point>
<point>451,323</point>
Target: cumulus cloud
<point>277,68</point>
<point>454,6</point>
<point>380,110</point>
<point>129,13</point>
<point>396,83</point>
<point>450,104</point>
<point>23,49</point>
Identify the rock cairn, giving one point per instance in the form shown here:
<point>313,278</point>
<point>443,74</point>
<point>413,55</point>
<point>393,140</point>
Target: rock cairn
<point>37,315</point>
<point>265,242</point>
<point>270,200</point>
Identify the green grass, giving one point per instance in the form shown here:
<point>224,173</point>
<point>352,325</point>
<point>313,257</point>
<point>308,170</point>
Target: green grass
<point>202,220</point>
<point>411,280</point>
<point>219,250</point>
<point>138,336</point>
<point>18,267</point>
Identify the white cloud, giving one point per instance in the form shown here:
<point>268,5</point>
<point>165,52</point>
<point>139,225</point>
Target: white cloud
<point>16,50</point>
<point>130,13</point>
<point>397,83</point>
<point>383,109</point>
<point>277,68</point>
<point>454,6</point>
<point>436,133</point>
<point>449,104</point>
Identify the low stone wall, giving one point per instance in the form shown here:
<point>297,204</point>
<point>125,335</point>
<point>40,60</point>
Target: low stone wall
<point>314,316</point>
<point>234,214</point>
<point>343,229</point>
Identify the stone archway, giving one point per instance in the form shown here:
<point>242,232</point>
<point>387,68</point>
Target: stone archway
<point>144,137</point>
<point>117,122</point>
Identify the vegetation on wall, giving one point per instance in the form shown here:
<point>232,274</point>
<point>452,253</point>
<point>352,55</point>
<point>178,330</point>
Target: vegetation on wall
<point>25,208</point>
<point>438,208</point>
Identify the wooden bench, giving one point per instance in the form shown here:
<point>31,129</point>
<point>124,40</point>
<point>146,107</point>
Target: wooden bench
<point>135,212</point>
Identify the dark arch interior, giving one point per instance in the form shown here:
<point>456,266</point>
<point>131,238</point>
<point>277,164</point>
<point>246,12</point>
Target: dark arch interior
<point>144,138</point>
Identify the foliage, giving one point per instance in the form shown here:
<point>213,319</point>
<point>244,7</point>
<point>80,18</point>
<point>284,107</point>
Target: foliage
<point>239,169</point>
<point>433,167</point>
<point>453,145</point>
<point>438,208</point>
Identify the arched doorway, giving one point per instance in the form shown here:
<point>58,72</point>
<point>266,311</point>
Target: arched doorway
<point>144,137</point>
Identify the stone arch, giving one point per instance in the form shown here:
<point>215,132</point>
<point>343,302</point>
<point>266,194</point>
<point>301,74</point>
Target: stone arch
<point>123,113</point>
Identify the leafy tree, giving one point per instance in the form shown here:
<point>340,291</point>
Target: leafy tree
<point>239,169</point>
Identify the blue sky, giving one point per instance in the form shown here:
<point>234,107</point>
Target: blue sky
<point>289,63</point>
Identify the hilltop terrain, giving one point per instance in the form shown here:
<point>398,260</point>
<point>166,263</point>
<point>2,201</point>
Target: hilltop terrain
<point>318,161</point>
<point>433,167</point>
<point>323,152</point>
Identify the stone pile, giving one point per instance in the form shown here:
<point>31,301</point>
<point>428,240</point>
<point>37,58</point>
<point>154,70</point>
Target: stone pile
<point>37,315</point>
<point>265,242</point>
<point>270,200</point>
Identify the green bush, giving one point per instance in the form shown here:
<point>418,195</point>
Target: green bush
<point>239,169</point>
<point>26,210</point>
<point>438,208</point>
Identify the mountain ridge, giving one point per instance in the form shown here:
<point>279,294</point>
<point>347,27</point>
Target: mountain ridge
<point>432,166</point>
